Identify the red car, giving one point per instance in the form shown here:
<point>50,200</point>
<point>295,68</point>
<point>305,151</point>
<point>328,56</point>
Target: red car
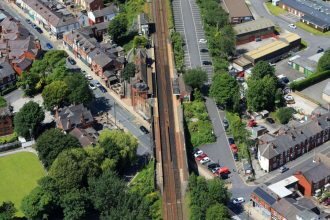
<point>223,170</point>
<point>233,147</point>
<point>201,157</point>
<point>252,123</point>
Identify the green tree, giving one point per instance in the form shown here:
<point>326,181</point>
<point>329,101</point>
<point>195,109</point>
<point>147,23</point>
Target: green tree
<point>217,212</point>
<point>75,204</point>
<point>118,27</point>
<point>227,41</point>
<point>78,90</point>
<point>71,169</point>
<point>129,71</point>
<point>262,69</point>
<point>283,115</point>
<point>28,82</point>
<point>324,62</point>
<point>28,119</point>
<point>195,77</point>
<point>225,91</point>
<point>279,99</point>
<point>51,143</point>
<point>261,94</point>
<point>120,142</point>
<point>237,128</point>
<point>140,41</point>
<point>58,74</point>
<point>54,94</point>
<point>7,211</point>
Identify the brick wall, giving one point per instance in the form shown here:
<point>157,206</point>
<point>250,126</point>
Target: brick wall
<point>6,125</point>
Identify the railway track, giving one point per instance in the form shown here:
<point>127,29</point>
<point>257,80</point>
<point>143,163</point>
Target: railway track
<point>171,193</point>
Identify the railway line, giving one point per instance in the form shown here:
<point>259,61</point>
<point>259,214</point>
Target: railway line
<point>167,155</point>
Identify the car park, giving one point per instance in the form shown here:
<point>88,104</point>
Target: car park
<point>238,200</point>
<point>71,61</point>
<point>198,153</point>
<point>231,140</point>
<point>205,160</point>
<point>202,41</point>
<point>283,169</point>
<point>292,26</point>
<point>49,46</point>
<point>200,157</point>
<point>92,86</point>
<point>289,99</point>
<point>144,130</point>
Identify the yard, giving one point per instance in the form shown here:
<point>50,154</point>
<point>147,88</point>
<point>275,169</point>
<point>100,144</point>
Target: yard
<point>310,29</point>
<point>19,174</point>
<point>275,10</point>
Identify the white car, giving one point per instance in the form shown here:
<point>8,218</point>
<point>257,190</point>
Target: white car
<point>89,77</point>
<point>205,160</point>
<point>202,41</point>
<point>198,153</point>
<point>92,86</point>
<point>292,26</point>
<point>289,99</point>
<point>238,200</point>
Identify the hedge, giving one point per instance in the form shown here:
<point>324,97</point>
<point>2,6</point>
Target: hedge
<point>310,80</point>
<point>8,89</point>
<point>10,146</point>
<point>8,138</point>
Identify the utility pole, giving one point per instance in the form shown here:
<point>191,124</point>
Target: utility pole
<point>114,109</point>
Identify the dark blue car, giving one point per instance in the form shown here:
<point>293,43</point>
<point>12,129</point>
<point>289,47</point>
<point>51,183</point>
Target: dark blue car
<point>49,46</point>
<point>102,89</point>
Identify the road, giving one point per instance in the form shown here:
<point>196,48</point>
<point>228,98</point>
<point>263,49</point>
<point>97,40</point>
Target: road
<point>168,154</point>
<point>313,41</point>
<point>122,115</point>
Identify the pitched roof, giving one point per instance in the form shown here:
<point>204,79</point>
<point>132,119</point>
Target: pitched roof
<point>316,172</point>
<point>143,19</point>
<point>6,70</point>
<point>112,9</point>
<point>83,137</point>
<point>251,26</point>
<point>74,114</point>
<point>236,8</point>
<point>262,193</point>
<point>286,208</point>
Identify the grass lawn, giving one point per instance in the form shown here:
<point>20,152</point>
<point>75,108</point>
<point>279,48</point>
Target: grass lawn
<point>275,10</point>
<point>19,174</point>
<point>310,29</point>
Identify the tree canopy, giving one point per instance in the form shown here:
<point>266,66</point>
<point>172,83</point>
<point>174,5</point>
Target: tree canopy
<point>118,27</point>
<point>261,94</point>
<point>324,62</point>
<point>54,94</point>
<point>29,119</point>
<point>51,143</point>
<point>283,115</point>
<point>78,90</point>
<point>217,212</point>
<point>140,41</point>
<point>262,69</point>
<point>129,71</point>
<point>7,211</point>
<point>225,91</point>
<point>195,77</point>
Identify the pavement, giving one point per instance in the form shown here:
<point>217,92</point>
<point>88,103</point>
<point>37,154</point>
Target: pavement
<point>313,41</point>
<point>129,119</point>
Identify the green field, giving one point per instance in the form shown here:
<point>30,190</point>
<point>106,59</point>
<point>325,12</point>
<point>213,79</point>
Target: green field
<point>310,29</point>
<point>275,10</point>
<point>19,174</point>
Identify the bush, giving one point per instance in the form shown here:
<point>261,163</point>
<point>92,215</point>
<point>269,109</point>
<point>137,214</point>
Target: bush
<point>8,138</point>
<point>283,115</point>
<point>3,102</point>
<point>310,80</point>
<point>177,43</point>
<point>8,89</point>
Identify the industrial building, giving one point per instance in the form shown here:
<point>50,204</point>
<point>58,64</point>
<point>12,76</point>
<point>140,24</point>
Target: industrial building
<point>238,11</point>
<point>271,52</point>
<point>314,13</point>
<point>249,31</point>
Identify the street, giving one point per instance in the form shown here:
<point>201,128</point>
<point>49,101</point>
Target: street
<point>123,116</point>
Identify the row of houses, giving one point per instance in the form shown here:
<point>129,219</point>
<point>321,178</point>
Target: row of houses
<point>292,141</point>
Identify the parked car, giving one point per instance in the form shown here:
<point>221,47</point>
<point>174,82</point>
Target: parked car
<point>223,170</point>
<point>28,21</point>
<point>225,123</point>
<point>200,157</point>
<point>198,153</point>
<point>89,77</point>
<point>203,50</point>
<point>283,79</point>
<point>289,99</point>
<point>258,39</point>
<point>39,30</point>
<point>231,140</point>
<point>215,169</point>
<point>212,166</point>
<point>238,200</point>
<point>283,169</point>
<point>252,123</point>
<point>205,62</point>
<point>205,160</point>
<point>320,50</point>
<point>71,61</point>
<point>144,130</point>
<point>202,41</point>
<point>292,26</point>
<point>92,86</point>
<point>49,46</point>
<point>34,26</point>
<point>98,84</point>
<point>195,150</point>
<point>270,120</point>
<point>286,91</point>
<point>236,156</point>
<point>102,89</point>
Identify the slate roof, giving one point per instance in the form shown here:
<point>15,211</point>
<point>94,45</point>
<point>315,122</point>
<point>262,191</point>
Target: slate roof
<point>112,9</point>
<point>74,114</point>
<point>102,59</point>
<point>6,70</point>
<point>286,209</point>
<point>251,26</point>
<point>83,137</point>
<point>315,172</point>
<point>236,8</point>
<point>24,63</point>
<point>316,11</point>
<point>264,195</point>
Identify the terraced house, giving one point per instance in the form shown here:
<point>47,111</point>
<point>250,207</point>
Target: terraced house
<point>54,17</point>
<point>292,141</point>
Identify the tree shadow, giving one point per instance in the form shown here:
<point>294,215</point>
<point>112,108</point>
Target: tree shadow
<point>99,105</point>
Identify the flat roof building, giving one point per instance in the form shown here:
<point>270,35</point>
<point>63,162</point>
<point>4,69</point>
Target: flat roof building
<point>238,11</point>
<point>249,31</point>
<point>314,13</point>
